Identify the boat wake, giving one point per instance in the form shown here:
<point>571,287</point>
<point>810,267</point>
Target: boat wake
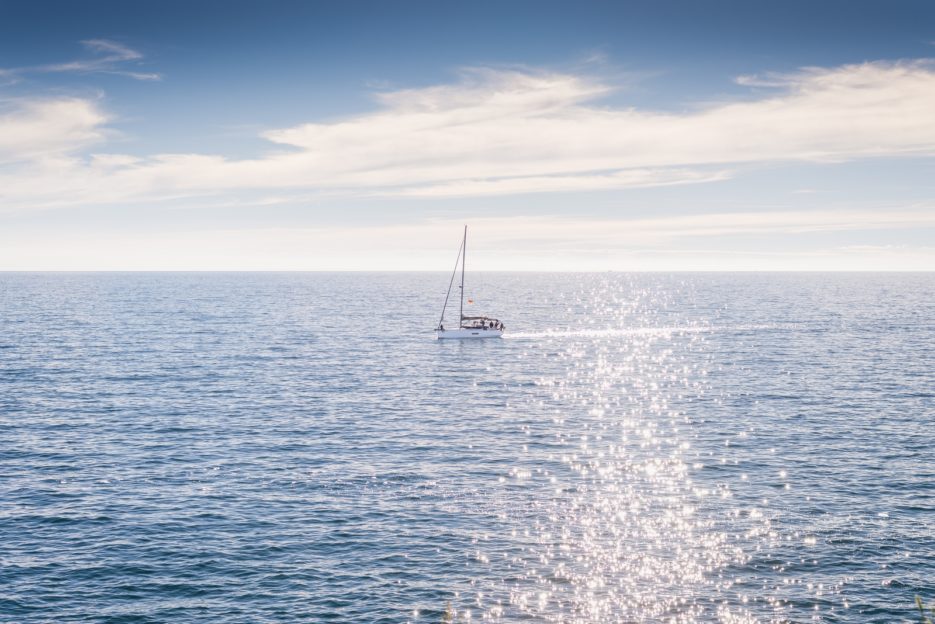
<point>641,331</point>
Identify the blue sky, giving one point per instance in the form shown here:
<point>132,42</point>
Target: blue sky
<point>593,136</point>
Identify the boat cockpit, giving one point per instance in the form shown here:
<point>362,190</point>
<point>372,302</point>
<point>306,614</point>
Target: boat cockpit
<point>481,322</point>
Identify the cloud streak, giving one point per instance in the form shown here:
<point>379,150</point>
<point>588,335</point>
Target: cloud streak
<point>502,132</point>
<point>106,57</point>
<point>719,241</point>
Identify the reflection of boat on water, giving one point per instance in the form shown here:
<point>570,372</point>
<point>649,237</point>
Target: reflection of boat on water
<point>468,326</point>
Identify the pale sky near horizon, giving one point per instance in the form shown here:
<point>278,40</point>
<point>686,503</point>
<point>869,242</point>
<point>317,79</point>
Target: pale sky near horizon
<point>568,136</point>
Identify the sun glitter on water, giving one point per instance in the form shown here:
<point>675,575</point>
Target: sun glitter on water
<point>612,526</point>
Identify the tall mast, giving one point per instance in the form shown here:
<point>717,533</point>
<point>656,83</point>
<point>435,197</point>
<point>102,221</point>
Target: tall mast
<point>463,260</point>
<point>451,282</point>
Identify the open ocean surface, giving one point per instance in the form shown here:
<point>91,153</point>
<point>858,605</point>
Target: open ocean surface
<point>298,448</point>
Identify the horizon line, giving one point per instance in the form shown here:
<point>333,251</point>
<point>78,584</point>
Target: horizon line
<point>696,271</point>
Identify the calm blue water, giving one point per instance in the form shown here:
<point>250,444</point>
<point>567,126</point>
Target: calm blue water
<point>298,447</point>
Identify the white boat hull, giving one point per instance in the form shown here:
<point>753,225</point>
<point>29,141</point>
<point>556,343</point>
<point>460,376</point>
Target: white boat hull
<point>467,333</point>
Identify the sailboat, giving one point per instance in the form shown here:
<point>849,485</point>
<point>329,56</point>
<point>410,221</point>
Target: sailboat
<point>469,326</point>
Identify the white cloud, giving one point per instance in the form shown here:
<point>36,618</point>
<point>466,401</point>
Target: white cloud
<point>112,50</point>
<point>512,124</point>
<point>699,242</point>
<point>108,57</point>
<point>498,132</point>
<point>7,77</point>
<point>48,128</point>
<point>634,233</point>
<point>629,178</point>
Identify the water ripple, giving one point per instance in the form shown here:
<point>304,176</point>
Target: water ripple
<point>641,448</point>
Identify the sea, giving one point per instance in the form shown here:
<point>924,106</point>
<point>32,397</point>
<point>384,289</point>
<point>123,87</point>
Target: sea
<point>297,447</point>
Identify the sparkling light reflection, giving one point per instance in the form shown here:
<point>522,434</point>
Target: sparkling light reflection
<point>610,521</point>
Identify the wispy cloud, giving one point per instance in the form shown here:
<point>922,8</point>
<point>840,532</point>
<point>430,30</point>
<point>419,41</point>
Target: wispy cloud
<point>500,132</point>
<point>7,77</point>
<point>105,57</point>
<point>37,130</point>
<point>629,178</point>
<point>720,241</point>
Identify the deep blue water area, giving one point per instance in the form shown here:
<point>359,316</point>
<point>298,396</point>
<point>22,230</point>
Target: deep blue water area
<point>296,447</point>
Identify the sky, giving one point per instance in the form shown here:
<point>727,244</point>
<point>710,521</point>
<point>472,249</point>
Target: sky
<point>591,136</point>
